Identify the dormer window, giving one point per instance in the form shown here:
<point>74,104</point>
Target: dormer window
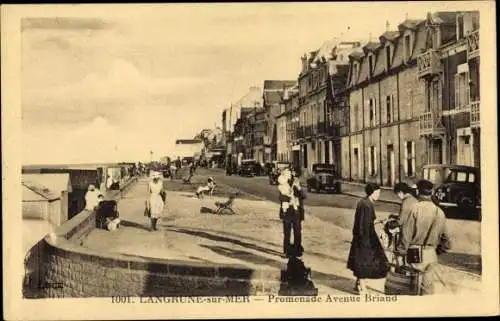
<point>370,63</point>
<point>460,27</point>
<point>407,47</point>
<point>387,57</point>
<point>354,71</point>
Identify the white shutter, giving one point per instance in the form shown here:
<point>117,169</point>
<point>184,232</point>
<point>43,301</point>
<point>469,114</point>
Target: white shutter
<point>405,159</point>
<point>375,160</point>
<point>457,91</point>
<point>369,161</point>
<point>413,157</point>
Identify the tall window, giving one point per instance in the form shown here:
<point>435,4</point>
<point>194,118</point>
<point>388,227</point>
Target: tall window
<point>388,57</point>
<point>461,90</point>
<point>372,160</point>
<point>373,113</point>
<point>356,117</point>
<point>409,163</point>
<point>407,46</point>
<point>389,109</point>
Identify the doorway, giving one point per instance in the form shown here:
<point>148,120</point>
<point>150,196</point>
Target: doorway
<point>437,151</point>
<point>356,163</point>
<point>391,167</point>
<point>327,152</point>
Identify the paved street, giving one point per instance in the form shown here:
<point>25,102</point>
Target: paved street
<point>252,238</point>
<point>260,186</point>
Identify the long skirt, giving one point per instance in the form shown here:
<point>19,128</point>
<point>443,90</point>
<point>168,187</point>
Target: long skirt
<point>156,206</point>
<point>368,260</point>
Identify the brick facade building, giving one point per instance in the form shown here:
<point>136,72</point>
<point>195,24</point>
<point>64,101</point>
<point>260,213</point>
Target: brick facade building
<point>400,97</point>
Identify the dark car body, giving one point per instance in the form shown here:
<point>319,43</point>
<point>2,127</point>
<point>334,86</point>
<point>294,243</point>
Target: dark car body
<point>455,185</point>
<point>275,171</point>
<point>249,167</point>
<point>324,178</point>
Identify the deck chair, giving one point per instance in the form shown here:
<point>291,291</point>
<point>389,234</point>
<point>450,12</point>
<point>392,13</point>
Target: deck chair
<point>226,206</point>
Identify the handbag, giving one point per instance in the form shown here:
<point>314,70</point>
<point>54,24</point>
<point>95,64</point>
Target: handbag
<point>402,280</point>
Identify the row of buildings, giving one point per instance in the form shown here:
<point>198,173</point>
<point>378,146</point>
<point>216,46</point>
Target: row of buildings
<point>378,110</point>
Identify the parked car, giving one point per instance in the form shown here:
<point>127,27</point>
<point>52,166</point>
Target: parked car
<point>324,178</point>
<point>275,171</point>
<point>249,167</point>
<point>455,185</point>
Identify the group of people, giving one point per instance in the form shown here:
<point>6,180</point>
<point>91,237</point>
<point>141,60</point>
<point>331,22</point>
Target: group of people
<point>419,227</point>
<point>93,200</point>
<point>418,235</point>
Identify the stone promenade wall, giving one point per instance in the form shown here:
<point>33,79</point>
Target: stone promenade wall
<point>75,271</point>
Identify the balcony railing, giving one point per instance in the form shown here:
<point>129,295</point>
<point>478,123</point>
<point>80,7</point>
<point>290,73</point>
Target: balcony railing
<point>430,124</point>
<point>308,131</point>
<point>473,44</point>
<point>300,132</point>
<point>428,63</point>
<point>474,114</point>
<point>322,128</point>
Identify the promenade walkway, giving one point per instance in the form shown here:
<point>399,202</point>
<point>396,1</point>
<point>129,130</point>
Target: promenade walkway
<point>252,238</point>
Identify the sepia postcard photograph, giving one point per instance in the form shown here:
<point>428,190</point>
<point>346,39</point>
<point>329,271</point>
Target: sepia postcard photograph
<point>249,160</point>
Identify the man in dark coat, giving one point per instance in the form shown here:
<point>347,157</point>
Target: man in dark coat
<point>367,258</point>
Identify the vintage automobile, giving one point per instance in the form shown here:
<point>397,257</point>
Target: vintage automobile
<point>275,171</point>
<point>324,178</point>
<point>455,185</point>
<point>249,167</point>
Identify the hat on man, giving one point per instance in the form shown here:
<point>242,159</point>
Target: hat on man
<point>370,188</point>
<point>155,175</point>
<point>91,187</point>
<point>424,187</point>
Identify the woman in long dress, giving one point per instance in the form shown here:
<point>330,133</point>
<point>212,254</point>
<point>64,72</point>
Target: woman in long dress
<point>156,202</point>
<point>367,258</point>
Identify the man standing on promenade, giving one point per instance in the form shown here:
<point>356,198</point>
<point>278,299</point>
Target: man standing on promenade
<point>407,196</point>
<point>424,232</point>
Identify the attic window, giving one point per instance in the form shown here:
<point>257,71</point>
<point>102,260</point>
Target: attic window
<point>407,47</point>
<point>460,27</point>
<point>370,63</point>
<point>355,71</point>
<point>387,57</point>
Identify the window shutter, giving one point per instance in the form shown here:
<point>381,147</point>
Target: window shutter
<point>413,157</point>
<point>369,161</point>
<point>405,160</point>
<point>375,166</point>
<point>457,91</point>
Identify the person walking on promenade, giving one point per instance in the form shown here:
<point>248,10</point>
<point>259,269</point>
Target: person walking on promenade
<point>289,214</point>
<point>367,258</point>
<point>424,236</point>
<point>157,197</point>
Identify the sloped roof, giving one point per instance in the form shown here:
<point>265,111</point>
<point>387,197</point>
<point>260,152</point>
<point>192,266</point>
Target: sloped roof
<point>410,23</point>
<point>188,141</point>
<point>39,189</point>
<point>57,182</point>
<point>278,84</point>
<point>389,35</point>
<point>371,46</point>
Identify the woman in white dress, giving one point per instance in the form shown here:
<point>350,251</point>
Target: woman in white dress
<point>156,202</point>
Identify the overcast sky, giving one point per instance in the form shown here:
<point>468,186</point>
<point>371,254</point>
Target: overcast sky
<point>113,83</point>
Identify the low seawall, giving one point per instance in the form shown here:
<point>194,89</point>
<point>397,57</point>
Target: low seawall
<point>74,271</point>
